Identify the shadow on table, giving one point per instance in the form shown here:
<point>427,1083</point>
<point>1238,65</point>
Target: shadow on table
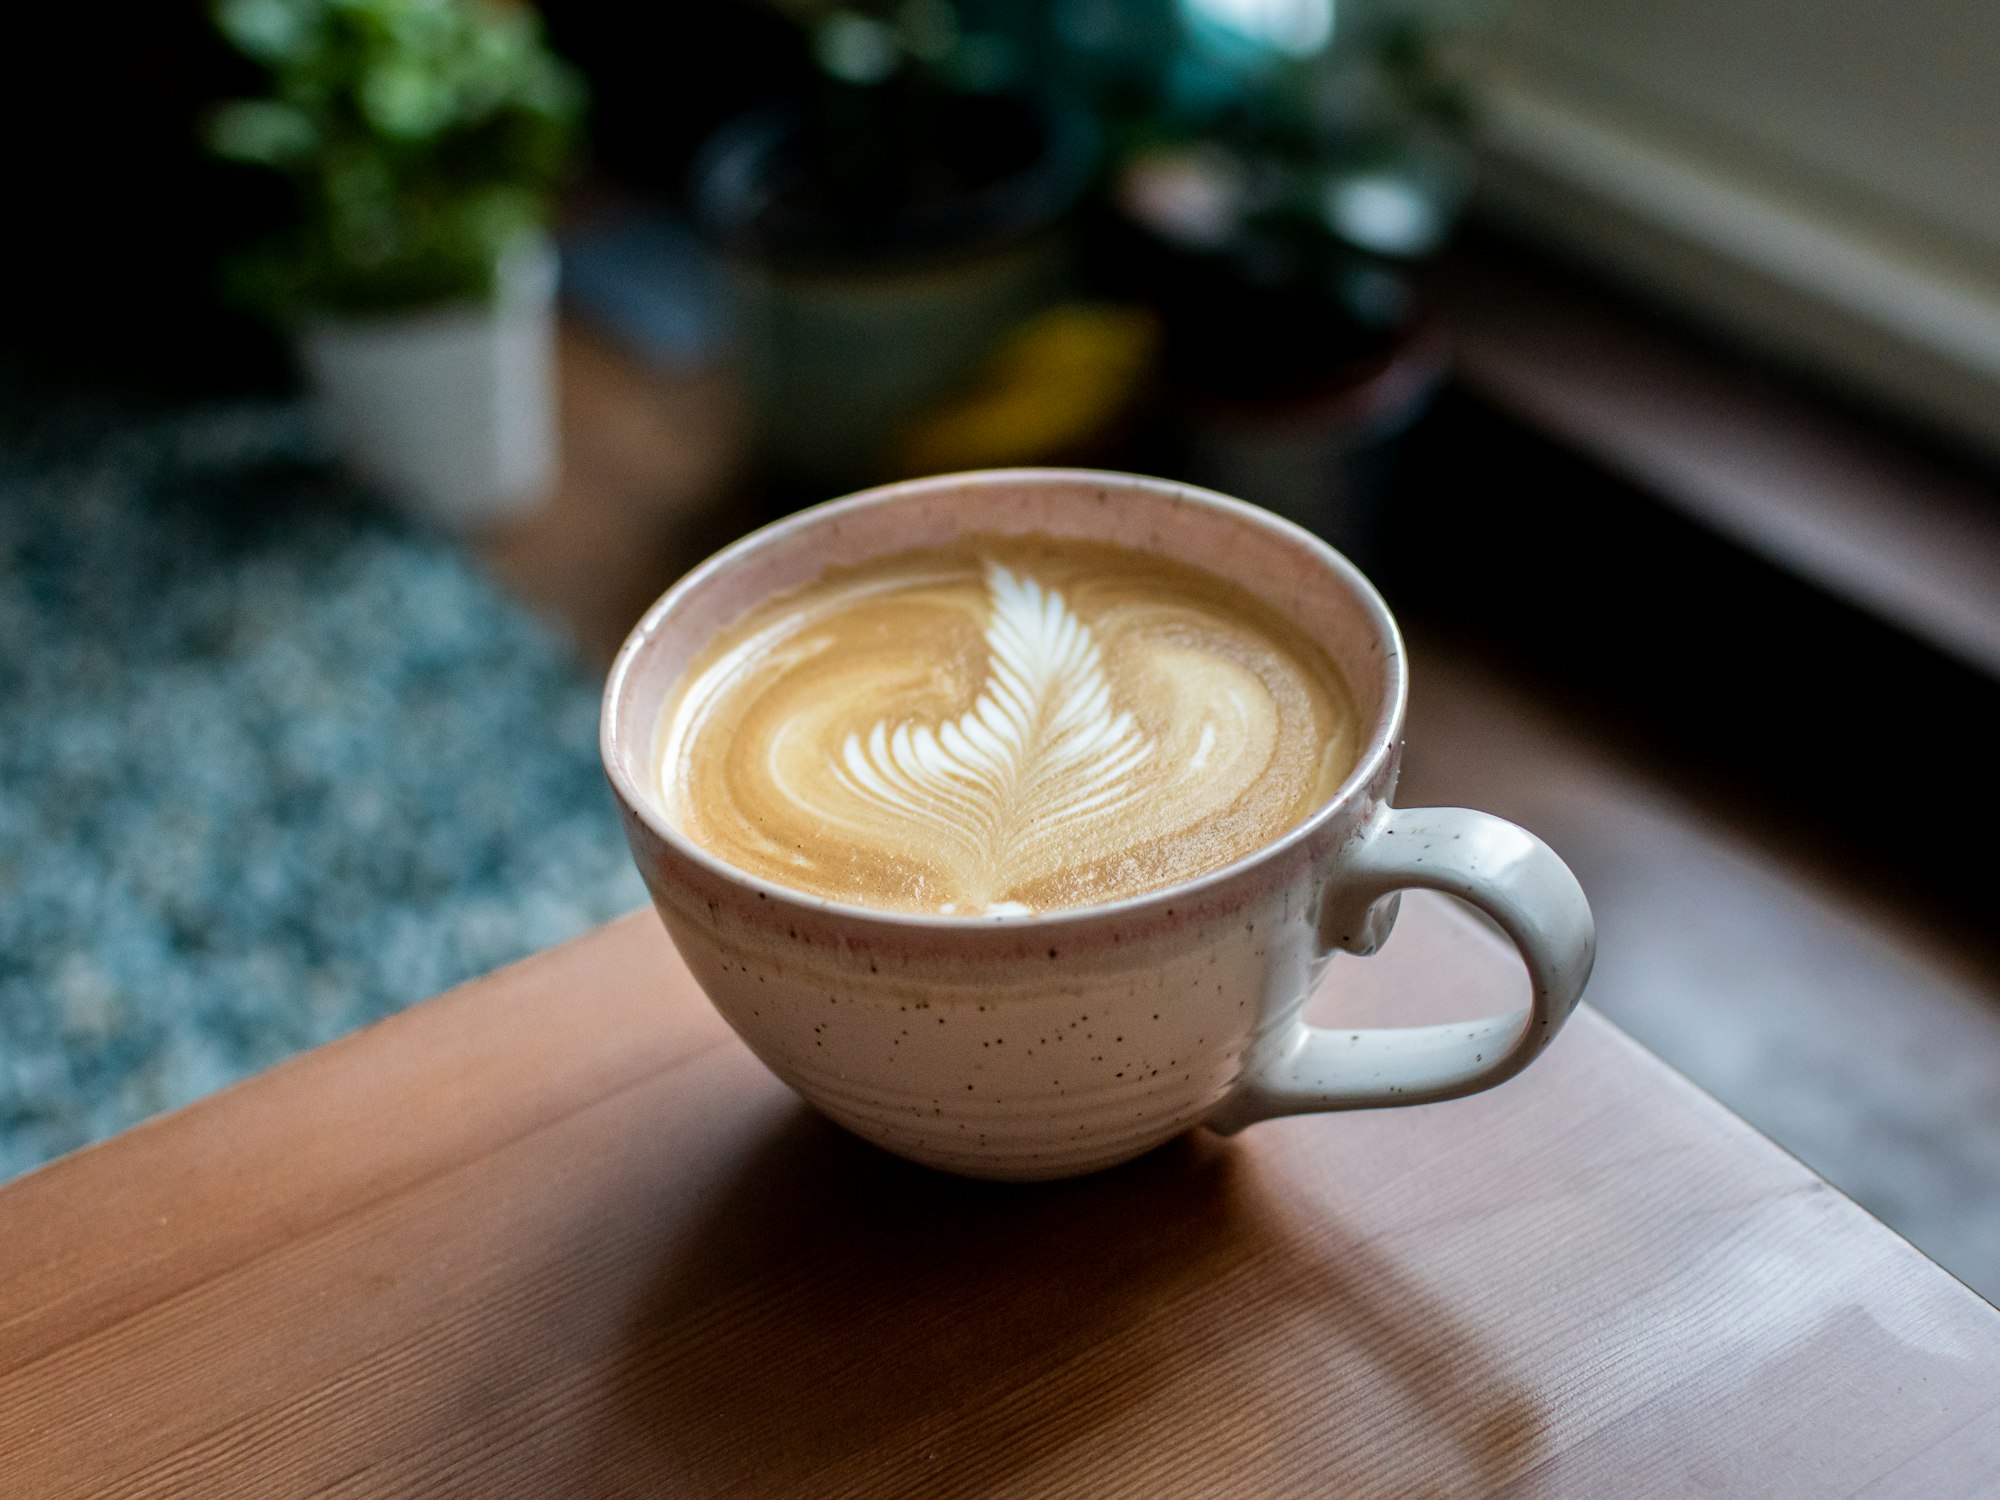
<point>838,1320</point>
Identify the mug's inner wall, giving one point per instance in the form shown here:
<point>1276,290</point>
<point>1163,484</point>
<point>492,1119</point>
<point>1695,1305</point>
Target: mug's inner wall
<point>1273,561</point>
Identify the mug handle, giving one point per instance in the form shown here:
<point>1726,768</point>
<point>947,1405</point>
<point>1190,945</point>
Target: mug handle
<point>1506,872</point>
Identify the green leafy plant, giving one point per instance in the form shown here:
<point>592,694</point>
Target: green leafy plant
<point>420,139</point>
<point>896,117</point>
<point>1284,166</point>
<point>1341,124</point>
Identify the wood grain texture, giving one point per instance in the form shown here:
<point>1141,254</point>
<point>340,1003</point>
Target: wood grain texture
<point>557,1233</point>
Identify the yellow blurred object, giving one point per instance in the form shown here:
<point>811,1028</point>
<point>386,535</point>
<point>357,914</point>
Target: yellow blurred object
<point>1062,379</point>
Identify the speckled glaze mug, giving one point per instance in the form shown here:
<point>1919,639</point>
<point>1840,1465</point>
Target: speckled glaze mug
<point>1053,1044</point>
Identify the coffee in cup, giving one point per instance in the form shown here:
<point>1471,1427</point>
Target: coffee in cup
<point>1008,725</point>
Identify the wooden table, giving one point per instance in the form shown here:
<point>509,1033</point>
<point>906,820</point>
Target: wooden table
<point>557,1233</point>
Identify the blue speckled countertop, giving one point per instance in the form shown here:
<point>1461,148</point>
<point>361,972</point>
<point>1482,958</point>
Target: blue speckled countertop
<point>272,763</point>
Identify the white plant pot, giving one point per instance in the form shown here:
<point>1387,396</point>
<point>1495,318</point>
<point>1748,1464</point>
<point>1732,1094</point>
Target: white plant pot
<point>450,410</point>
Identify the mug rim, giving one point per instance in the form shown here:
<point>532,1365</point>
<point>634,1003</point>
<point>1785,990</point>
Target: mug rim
<point>1378,748</point>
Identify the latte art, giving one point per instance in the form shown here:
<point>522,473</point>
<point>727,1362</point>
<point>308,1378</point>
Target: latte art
<point>1040,752</point>
<point>1013,726</point>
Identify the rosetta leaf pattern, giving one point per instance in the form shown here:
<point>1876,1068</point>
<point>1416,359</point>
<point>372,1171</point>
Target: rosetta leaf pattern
<point>1042,750</point>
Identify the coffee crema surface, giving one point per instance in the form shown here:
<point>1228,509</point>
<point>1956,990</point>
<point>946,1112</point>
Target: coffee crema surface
<point>1008,725</point>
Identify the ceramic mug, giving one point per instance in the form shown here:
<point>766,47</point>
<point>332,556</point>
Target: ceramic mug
<point>1058,1043</point>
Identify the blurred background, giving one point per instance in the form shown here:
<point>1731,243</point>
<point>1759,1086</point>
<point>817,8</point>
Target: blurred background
<point>367,366</point>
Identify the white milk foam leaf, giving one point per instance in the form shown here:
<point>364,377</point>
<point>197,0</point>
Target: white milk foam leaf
<point>1041,748</point>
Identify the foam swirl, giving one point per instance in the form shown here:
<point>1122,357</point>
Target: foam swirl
<point>1015,726</point>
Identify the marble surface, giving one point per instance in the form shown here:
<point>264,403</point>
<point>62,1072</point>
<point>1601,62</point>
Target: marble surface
<point>273,763</point>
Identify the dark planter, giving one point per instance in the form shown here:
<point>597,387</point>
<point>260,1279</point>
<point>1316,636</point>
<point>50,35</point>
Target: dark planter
<point>853,316</point>
<point>1323,454</point>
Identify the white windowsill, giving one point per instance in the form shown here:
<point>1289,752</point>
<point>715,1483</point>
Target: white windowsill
<point>1913,329</point>
<point>1868,519</point>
